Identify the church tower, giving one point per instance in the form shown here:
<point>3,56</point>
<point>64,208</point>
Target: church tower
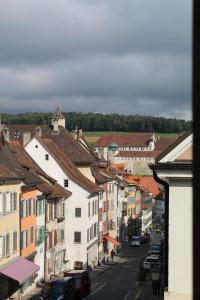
<point>57,119</point>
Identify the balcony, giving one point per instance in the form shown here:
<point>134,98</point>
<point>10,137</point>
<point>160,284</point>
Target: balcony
<point>60,218</point>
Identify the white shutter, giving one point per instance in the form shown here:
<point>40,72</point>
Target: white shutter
<point>8,201</point>
<point>1,203</point>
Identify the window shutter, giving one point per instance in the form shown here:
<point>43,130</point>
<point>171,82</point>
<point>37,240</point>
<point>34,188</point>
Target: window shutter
<point>26,238</point>
<point>7,244</point>
<point>50,240</point>
<point>55,237</point>
<point>14,241</point>
<point>4,203</point>
<point>34,203</point>
<point>3,246</point>
<point>15,200</point>
<point>29,202</point>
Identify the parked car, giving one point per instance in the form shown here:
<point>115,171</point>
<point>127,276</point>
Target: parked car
<point>154,249</point>
<point>59,289</point>
<point>82,282</point>
<point>135,241</point>
<point>150,261</point>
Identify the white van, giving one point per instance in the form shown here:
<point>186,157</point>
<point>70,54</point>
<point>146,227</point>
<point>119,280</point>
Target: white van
<point>135,241</point>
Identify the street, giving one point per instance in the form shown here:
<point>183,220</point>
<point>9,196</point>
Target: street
<point>120,280</point>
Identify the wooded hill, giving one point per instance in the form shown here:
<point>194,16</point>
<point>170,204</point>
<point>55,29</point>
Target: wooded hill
<point>103,122</point>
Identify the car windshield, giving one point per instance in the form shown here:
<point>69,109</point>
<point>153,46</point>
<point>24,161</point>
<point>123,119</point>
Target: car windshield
<point>136,238</point>
<point>77,280</point>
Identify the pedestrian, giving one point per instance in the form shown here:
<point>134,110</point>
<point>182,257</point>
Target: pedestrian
<point>155,277</point>
<point>112,254</point>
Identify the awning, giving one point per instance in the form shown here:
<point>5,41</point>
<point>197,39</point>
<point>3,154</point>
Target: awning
<point>110,239</point>
<point>19,269</point>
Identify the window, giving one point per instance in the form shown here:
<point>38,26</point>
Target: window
<point>77,237</point>
<point>65,182</point>
<point>95,229</point>
<point>55,237</point>
<point>14,241</point>
<point>62,235</point>
<point>24,239</point>
<point>88,209</point>
<point>7,244</point>
<point>47,156</point>
<point>77,212</point>
<point>13,203</point>
<point>23,209</point>
<point>36,146</point>
<point>40,207</point>
<point>40,234</point>
<point>31,234</point>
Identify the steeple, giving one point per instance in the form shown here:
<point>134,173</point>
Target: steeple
<point>57,120</point>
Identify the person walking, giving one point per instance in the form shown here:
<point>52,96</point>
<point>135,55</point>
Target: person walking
<point>112,254</point>
<point>155,277</point>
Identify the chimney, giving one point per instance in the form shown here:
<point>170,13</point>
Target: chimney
<point>38,131</point>
<point>26,138</point>
<point>6,134</point>
<point>80,133</point>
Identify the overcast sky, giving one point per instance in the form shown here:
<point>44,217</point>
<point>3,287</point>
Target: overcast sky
<point>108,56</point>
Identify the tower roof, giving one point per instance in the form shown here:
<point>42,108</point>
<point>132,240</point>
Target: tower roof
<point>58,114</point>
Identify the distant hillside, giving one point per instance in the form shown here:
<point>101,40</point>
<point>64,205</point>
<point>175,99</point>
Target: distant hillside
<point>104,122</point>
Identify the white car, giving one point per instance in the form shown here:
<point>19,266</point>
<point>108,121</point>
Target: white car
<point>151,260</point>
<point>135,241</point>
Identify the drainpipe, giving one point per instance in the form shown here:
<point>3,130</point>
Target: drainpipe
<point>166,245</point>
<point>45,244</point>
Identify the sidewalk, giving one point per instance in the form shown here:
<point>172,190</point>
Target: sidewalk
<point>144,291</point>
<point>34,294</point>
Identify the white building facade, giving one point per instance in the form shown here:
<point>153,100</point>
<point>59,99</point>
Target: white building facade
<point>81,209</point>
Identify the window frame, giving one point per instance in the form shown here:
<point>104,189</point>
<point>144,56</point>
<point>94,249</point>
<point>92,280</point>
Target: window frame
<point>78,209</point>
<point>77,239</point>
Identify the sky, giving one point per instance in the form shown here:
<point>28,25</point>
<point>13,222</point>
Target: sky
<point>106,56</point>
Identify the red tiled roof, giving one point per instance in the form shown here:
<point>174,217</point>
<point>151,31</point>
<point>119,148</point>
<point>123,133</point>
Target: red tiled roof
<point>137,154</point>
<point>150,184</point>
<point>67,165</point>
<point>130,140</point>
<point>118,166</point>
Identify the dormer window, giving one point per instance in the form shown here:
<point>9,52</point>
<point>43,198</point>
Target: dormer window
<point>16,134</point>
<point>47,156</point>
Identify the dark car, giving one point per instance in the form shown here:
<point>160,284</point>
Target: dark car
<point>59,289</point>
<point>82,282</point>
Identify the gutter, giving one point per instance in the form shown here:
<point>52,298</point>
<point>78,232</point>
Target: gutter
<point>166,243</point>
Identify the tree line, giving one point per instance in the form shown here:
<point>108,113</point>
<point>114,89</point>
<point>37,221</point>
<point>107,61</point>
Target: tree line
<point>103,122</point>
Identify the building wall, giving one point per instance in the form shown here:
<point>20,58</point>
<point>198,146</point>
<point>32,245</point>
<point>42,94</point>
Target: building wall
<point>180,240</point>
<point>27,222</point>
<point>40,247</point>
<point>10,222</point>
<point>86,171</point>
<point>79,199</point>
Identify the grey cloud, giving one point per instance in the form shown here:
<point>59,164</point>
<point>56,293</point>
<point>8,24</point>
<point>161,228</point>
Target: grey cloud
<point>131,56</point>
